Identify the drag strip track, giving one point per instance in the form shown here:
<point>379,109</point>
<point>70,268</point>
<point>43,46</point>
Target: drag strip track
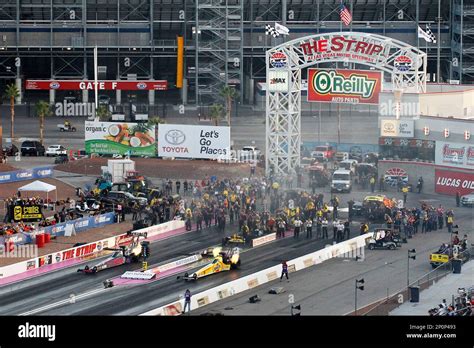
<point>137,299</point>
<point>60,285</point>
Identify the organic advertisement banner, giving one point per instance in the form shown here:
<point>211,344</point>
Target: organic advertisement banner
<point>183,141</point>
<point>109,138</point>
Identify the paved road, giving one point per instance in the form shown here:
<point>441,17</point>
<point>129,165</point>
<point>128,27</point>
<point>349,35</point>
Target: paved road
<point>133,300</point>
<point>354,129</point>
<point>328,289</point>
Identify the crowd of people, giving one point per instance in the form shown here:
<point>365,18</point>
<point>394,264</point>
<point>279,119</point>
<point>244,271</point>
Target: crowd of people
<point>254,207</point>
<point>424,219</point>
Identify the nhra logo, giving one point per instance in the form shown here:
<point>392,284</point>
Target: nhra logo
<point>141,85</point>
<point>403,63</point>
<point>325,82</point>
<point>54,85</point>
<point>58,257</point>
<point>278,60</point>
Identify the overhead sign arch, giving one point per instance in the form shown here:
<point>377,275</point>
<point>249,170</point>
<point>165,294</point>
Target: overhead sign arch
<point>405,64</point>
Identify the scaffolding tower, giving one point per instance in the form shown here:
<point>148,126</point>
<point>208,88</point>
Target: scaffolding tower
<point>219,48</point>
<point>463,41</point>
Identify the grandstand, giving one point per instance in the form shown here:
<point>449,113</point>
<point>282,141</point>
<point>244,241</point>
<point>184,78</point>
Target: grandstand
<point>225,40</point>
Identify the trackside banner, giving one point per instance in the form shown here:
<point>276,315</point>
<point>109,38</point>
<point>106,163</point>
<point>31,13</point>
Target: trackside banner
<point>184,141</point>
<point>26,174</point>
<point>449,182</point>
<point>344,86</point>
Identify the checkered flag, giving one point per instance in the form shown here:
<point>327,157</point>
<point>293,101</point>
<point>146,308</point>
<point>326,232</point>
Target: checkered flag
<point>430,34</point>
<point>271,31</point>
<point>427,35</point>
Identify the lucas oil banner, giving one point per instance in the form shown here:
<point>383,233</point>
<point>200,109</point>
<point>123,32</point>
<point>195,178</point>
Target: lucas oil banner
<point>183,141</point>
<point>449,182</point>
<point>344,86</point>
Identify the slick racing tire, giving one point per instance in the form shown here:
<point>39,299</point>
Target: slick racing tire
<point>392,247</point>
<point>371,247</point>
<point>186,275</point>
<point>86,268</point>
<point>94,269</point>
<point>195,276</point>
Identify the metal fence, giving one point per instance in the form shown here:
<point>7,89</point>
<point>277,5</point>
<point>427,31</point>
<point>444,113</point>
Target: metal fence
<point>386,305</point>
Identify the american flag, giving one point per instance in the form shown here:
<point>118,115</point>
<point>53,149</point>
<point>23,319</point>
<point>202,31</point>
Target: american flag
<point>346,16</point>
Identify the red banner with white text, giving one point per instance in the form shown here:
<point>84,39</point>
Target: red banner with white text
<point>449,182</point>
<point>108,85</point>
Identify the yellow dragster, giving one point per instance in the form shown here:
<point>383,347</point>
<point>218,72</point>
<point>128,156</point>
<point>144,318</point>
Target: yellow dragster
<point>224,260</point>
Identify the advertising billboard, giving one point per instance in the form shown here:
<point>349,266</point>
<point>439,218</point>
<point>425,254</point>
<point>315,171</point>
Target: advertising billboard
<point>449,182</point>
<point>109,138</point>
<point>184,141</point>
<point>278,81</point>
<point>26,174</point>
<point>456,155</point>
<point>397,128</point>
<point>344,86</point>
<point>108,85</point>
<point>29,213</point>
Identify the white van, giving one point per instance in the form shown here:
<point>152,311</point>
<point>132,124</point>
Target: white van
<point>349,164</point>
<point>341,181</point>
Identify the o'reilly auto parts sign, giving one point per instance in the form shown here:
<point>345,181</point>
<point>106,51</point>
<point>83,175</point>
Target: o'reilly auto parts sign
<point>344,86</point>
<point>184,141</point>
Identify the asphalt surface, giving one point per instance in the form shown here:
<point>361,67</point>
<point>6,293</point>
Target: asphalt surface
<point>136,299</point>
<point>246,129</point>
<point>328,288</point>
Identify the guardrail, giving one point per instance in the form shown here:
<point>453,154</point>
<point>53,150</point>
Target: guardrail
<point>88,249</point>
<point>352,246</point>
<point>77,225</point>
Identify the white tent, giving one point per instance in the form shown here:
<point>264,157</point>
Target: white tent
<point>39,186</point>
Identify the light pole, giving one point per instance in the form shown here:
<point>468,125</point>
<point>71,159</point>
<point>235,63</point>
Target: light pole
<point>411,255</point>
<point>357,287</point>
<point>386,271</point>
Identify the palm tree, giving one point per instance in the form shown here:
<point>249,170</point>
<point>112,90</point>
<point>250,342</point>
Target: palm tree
<point>42,109</point>
<point>216,112</point>
<point>155,121</point>
<point>11,93</point>
<point>103,113</point>
<point>229,93</point>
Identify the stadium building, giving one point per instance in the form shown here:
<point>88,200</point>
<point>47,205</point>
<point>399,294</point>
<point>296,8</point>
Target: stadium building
<point>224,42</point>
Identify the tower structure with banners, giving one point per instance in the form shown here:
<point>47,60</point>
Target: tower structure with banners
<point>405,66</point>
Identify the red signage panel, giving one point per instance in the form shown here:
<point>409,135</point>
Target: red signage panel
<point>344,86</point>
<point>106,85</point>
<point>449,182</point>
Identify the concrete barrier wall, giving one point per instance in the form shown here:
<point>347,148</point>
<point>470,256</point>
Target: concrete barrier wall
<point>83,250</point>
<point>253,280</point>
